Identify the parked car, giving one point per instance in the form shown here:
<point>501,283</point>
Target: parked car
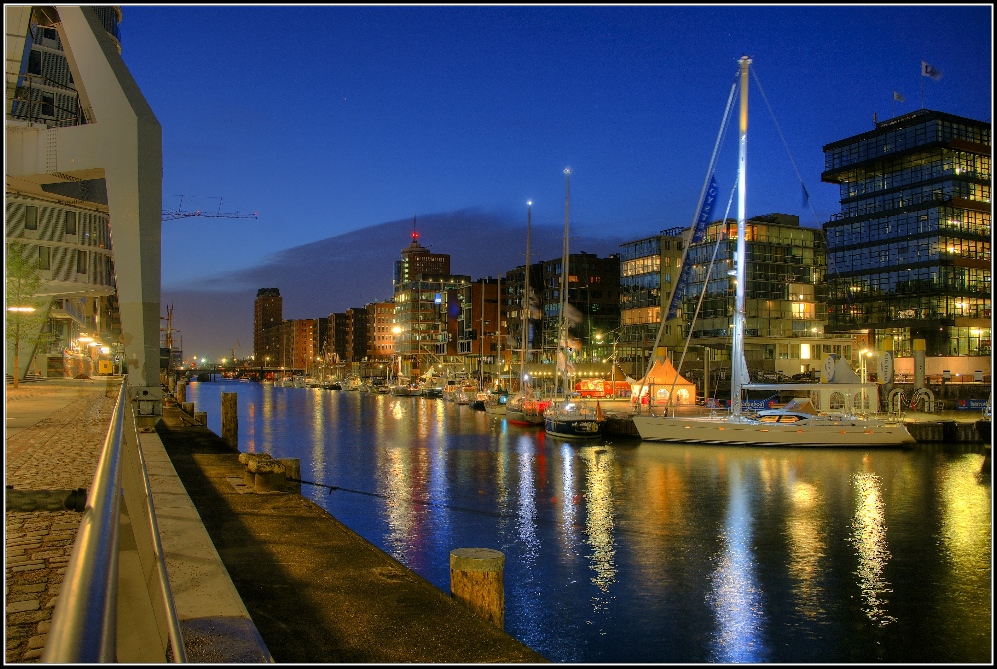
<point>807,377</point>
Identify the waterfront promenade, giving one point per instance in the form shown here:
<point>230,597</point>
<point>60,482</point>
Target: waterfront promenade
<point>316,591</point>
<point>273,567</point>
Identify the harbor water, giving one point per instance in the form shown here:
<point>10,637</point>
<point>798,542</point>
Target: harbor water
<point>624,551</point>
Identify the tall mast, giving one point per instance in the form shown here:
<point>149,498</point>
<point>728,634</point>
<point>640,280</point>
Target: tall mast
<point>562,330</point>
<point>525,313</point>
<point>737,347</point>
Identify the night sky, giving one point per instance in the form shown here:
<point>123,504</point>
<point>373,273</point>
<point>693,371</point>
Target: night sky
<point>335,120</point>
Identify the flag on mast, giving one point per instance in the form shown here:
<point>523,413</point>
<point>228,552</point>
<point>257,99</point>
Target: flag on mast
<point>898,97</point>
<point>930,72</point>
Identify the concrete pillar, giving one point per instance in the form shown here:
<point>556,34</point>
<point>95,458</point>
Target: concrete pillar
<point>188,408</point>
<point>201,417</point>
<point>181,393</point>
<point>230,419</point>
<point>476,578</point>
<point>919,353</point>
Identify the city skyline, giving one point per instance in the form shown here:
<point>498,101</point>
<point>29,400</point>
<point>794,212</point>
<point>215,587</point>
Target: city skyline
<point>379,114</point>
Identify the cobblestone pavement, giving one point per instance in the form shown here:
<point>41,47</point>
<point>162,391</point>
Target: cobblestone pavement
<point>58,451</point>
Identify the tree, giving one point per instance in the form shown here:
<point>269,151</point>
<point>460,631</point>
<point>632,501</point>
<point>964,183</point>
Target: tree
<point>26,313</point>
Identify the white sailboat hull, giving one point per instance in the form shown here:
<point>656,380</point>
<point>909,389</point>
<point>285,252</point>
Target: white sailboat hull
<point>746,432</point>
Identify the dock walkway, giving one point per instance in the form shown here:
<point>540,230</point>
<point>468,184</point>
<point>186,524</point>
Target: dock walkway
<point>317,591</point>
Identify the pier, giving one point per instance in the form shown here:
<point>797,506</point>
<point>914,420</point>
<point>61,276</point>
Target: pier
<point>255,577</point>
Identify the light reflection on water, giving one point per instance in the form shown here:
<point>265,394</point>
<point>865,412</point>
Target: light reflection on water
<point>627,552</point>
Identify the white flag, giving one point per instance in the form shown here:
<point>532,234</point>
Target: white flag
<point>898,97</point>
<point>928,71</point>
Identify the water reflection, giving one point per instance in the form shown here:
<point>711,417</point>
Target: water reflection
<point>807,547</point>
<point>735,596</point>
<point>869,539</point>
<point>653,553</point>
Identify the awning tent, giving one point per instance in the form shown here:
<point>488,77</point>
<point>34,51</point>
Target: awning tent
<point>664,383</point>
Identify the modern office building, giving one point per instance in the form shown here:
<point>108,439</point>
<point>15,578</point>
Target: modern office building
<point>649,270</point>
<point>426,309</point>
<point>83,160</point>
<point>909,252</point>
<point>785,302</point>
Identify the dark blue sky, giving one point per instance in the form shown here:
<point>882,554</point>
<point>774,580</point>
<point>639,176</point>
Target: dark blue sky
<point>330,119</point>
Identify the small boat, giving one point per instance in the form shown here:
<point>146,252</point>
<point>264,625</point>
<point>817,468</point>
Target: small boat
<point>478,402</point>
<point>433,391</point>
<point>495,402</point>
<point>575,418</point>
<point>526,409</point>
<point>466,394</point>
<point>412,389</point>
<point>334,385</point>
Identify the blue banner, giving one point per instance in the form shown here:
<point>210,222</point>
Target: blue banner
<point>698,233</point>
<point>977,405</point>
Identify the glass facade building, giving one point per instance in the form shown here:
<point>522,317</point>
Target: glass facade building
<point>909,252</point>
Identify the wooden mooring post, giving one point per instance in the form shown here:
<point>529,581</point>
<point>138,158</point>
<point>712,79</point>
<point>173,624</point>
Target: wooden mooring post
<point>230,419</point>
<point>476,578</point>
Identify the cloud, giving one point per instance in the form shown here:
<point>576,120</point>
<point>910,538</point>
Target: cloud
<point>355,268</point>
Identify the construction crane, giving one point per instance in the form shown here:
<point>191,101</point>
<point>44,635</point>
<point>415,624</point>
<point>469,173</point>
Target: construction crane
<point>172,215</point>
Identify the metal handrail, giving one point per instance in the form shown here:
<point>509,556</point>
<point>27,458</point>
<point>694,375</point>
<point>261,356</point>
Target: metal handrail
<point>165,592</point>
<point>84,623</point>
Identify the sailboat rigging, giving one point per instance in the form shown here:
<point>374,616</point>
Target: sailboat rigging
<point>569,417</point>
<point>796,424</point>
<point>526,407</point>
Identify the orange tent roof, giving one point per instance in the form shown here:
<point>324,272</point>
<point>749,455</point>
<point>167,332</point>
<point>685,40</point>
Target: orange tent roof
<point>661,373</point>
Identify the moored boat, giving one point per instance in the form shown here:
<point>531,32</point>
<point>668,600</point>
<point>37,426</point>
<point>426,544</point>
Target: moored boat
<point>796,425</point>
<point>575,419</point>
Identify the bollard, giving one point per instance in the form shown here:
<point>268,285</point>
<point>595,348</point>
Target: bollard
<point>269,475</point>
<point>476,579</point>
<point>188,408</point>
<point>230,419</point>
<point>249,460</point>
<point>201,417</point>
<point>181,393</point>
<point>292,470</point>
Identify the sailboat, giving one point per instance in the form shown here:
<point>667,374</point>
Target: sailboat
<point>525,407</point>
<point>796,424</point>
<point>572,417</point>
